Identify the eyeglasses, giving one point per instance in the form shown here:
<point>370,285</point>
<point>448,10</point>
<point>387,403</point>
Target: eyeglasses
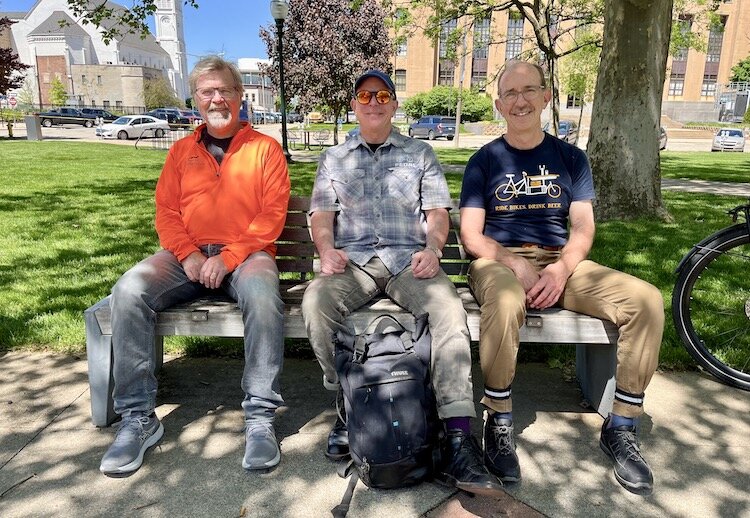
<point>381,96</point>
<point>208,93</point>
<point>530,93</point>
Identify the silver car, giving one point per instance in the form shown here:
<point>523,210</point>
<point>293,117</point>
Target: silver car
<point>134,126</point>
<point>728,139</point>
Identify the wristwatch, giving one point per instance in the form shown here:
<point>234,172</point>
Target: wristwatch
<point>438,253</point>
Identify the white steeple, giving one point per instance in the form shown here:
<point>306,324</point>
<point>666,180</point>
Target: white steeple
<point>171,37</point>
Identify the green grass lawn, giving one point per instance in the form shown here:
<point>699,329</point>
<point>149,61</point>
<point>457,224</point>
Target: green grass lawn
<point>77,215</point>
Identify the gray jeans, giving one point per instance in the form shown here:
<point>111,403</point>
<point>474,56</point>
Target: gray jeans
<point>330,298</point>
<point>159,282</point>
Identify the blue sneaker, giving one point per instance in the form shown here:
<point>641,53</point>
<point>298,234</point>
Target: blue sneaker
<point>134,436</point>
<point>261,448</point>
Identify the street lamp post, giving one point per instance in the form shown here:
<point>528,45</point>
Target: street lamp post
<point>279,10</point>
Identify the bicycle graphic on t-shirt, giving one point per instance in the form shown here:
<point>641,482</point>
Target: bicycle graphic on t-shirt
<point>529,185</point>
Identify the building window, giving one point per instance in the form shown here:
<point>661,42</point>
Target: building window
<point>675,87</point>
<point>252,97</point>
<point>99,80</point>
<point>481,37</point>
<point>445,72</point>
<point>715,39</point>
<point>83,79</point>
<point>684,22</point>
<point>708,88</point>
<point>105,104</point>
<point>400,76</point>
<point>45,78</point>
<point>401,49</point>
<point>118,104</point>
<point>573,101</point>
<point>479,80</point>
<point>445,33</point>
<point>514,38</point>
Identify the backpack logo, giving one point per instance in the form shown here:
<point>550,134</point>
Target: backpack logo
<point>399,373</point>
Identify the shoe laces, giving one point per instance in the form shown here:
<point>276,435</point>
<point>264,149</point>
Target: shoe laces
<point>504,439</point>
<point>627,441</point>
<point>474,453</point>
<point>133,426</point>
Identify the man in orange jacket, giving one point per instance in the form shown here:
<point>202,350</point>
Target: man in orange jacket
<point>221,202</point>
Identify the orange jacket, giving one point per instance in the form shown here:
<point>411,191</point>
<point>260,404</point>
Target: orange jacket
<point>241,204</point>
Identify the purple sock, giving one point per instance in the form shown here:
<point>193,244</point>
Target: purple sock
<point>459,423</point>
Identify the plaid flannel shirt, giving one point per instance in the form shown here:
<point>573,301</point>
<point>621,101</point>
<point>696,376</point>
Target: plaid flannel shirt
<point>380,198</point>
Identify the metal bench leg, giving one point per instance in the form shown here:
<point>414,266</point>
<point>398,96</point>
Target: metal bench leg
<point>596,366</point>
<point>101,383</point>
<point>158,353</point>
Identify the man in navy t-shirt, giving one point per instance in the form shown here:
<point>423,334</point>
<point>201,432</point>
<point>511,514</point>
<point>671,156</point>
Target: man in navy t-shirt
<point>527,216</point>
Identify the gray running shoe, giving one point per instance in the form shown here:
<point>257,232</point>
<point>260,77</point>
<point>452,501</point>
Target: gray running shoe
<point>261,448</point>
<point>134,436</point>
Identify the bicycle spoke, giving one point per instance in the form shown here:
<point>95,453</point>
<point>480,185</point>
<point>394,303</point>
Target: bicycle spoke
<point>717,308</point>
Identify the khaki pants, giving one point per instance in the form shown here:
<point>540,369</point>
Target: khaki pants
<point>633,305</point>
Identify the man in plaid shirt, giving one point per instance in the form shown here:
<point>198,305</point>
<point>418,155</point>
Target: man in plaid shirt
<point>379,222</point>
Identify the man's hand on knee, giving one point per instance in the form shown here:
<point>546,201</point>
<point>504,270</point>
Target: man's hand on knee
<point>192,265</point>
<point>213,272</point>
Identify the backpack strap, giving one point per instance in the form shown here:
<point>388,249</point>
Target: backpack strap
<point>360,347</point>
<point>346,469</point>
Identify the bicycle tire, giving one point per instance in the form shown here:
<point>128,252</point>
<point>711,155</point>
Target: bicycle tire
<point>500,194</point>
<point>711,305</point>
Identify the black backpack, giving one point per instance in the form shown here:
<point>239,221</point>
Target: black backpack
<point>390,405</point>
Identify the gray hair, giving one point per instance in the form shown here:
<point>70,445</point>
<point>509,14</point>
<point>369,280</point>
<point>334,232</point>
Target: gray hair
<point>214,64</point>
<point>515,63</point>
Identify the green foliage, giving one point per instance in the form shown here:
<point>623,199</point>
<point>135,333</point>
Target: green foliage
<point>579,69</point>
<point>11,69</point>
<point>741,71</point>
<point>58,96</point>
<point>158,93</point>
<point>326,46</point>
<point>441,100</point>
<point>115,22</point>
<point>746,118</point>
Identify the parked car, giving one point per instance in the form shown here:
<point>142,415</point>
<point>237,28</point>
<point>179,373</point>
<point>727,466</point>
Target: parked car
<point>134,126</point>
<point>294,117</point>
<point>171,115</point>
<point>315,117</point>
<point>728,139</point>
<point>566,130</point>
<point>662,138</point>
<point>100,113</point>
<point>192,116</point>
<point>66,116</point>
<point>433,126</point>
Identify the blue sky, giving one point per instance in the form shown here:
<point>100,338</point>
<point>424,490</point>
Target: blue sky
<point>229,26</point>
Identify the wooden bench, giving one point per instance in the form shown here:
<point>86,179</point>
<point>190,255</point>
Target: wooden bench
<point>595,340</point>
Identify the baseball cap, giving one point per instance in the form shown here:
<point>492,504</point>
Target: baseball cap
<point>379,74</point>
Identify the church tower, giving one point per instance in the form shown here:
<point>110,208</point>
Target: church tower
<point>171,37</point>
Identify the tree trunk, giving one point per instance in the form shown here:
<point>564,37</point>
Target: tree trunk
<point>623,141</point>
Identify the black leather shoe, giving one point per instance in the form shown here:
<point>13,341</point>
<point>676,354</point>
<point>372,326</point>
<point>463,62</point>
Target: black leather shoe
<point>464,468</point>
<point>500,449</point>
<point>631,469</point>
<point>338,439</point>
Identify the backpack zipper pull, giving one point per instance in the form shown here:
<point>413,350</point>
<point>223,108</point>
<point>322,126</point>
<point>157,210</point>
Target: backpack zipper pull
<point>367,395</point>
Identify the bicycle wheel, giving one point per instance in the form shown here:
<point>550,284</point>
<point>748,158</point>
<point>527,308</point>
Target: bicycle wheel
<point>500,193</point>
<point>711,305</point>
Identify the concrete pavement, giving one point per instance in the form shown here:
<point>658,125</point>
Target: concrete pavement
<point>695,433</point>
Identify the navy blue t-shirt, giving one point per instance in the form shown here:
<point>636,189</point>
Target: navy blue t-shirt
<point>527,193</point>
